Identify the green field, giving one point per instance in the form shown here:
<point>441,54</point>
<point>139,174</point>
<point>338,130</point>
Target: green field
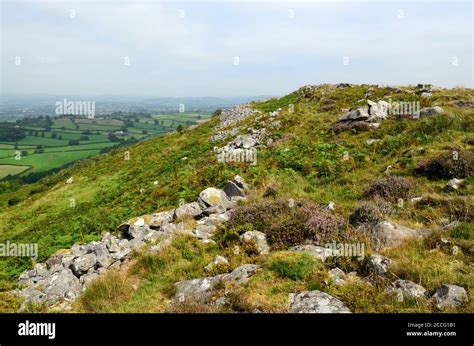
<point>53,140</point>
<point>6,170</point>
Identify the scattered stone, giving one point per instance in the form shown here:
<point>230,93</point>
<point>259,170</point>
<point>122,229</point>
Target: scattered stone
<point>212,196</point>
<point>257,238</point>
<point>454,184</point>
<point>82,264</point>
<point>315,302</point>
<point>429,111</point>
<point>355,114</point>
<point>337,276</point>
<point>378,264</point>
<point>406,288</point>
<point>450,296</point>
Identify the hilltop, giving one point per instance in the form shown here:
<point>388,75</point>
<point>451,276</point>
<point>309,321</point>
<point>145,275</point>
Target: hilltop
<point>325,164</point>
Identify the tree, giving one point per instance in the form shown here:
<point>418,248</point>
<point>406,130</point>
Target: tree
<point>145,132</point>
<point>73,142</point>
<point>179,128</point>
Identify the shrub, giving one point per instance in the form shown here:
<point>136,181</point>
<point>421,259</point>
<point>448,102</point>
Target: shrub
<point>288,224</point>
<point>459,164</point>
<point>292,266</point>
<point>390,188</point>
<point>370,212</point>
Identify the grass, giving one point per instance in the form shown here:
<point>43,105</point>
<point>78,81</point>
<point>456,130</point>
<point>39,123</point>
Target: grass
<point>306,162</point>
<point>6,170</point>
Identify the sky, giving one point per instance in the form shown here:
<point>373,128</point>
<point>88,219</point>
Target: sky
<point>230,48</point>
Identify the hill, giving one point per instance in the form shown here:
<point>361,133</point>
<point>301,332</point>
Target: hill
<point>333,153</point>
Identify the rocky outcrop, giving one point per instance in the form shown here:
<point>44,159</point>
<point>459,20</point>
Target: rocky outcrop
<point>363,118</point>
<point>315,302</point>
<point>66,274</point>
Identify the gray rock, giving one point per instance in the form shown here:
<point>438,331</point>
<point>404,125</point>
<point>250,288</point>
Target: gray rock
<point>257,238</point>
<point>355,114</point>
<point>212,196</point>
<point>218,260</point>
<point>378,110</point>
<point>454,184</point>
<point>337,276</point>
<point>195,289</point>
<point>318,252</point>
<point>53,260</point>
<point>388,234</point>
<point>450,296</point>
<point>241,274</point>
<point>80,265</point>
<point>231,189</point>
<point>240,182</point>
<point>406,288</point>
<point>162,218</point>
<point>378,264</point>
<point>189,209</point>
<point>429,111</point>
<point>315,302</point>
<point>62,284</point>
<point>215,209</point>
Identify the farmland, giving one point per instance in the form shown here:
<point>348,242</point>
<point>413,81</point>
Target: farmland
<point>38,145</point>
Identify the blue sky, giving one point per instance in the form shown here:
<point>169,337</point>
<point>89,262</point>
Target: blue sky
<point>280,46</point>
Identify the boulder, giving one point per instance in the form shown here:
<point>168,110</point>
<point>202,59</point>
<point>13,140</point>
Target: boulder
<point>160,219</point>
<point>231,189</point>
<point>241,274</point>
<point>318,252</point>
<point>189,209</point>
<point>429,111</point>
<point>195,289</point>
<point>212,196</point>
<point>450,296</point>
<point>378,264</point>
<point>257,238</point>
<point>240,182</point>
<point>315,302</point>
<point>406,288</point>
<point>82,264</point>
<point>378,110</point>
<point>355,114</point>
<point>388,234</point>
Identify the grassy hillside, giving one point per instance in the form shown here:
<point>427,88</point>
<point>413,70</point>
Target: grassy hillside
<point>307,161</point>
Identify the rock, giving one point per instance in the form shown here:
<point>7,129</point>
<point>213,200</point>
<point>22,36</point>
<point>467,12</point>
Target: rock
<point>212,196</point>
<point>231,189</point>
<point>137,229</point>
<point>241,274</point>
<point>454,184</point>
<point>203,231</point>
<point>337,276</point>
<point>53,260</point>
<point>201,289</point>
<point>189,209</point>
<point>372,141</point>
<point>104,259</point>
<point>86,279</point>
<point>315,302</point>
<point>63,284</point>
<point>257,238</point>
<point>378,110</point>
<point>387,234</point>
<point>318,252</point>
<point>162,218</point>
<point>406,288</point>
<point>426,94</point>
<point>355,114</point>
<point>218,260</point>
<point>216,219</point>
<point>378,264</point>
<point>429,111</point>
<point>82,264</point>
<point>450,296</point>
<point>215,209</point>
<point>240,182</point>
